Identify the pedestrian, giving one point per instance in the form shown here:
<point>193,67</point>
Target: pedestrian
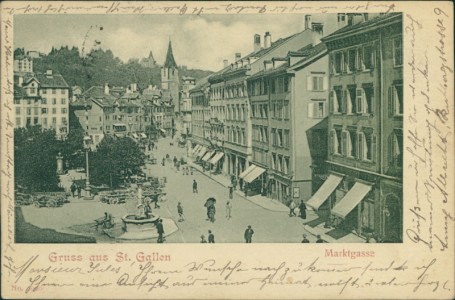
<point>211,237</point>
<point>319,239</point>
<point>195,186</point>
<point>79,189</point>
<point>160,229</point>
<point>203,240</point>
<point>246,189</point>
<point>305,240</point>
<point>191,170</point>
<point>163,162</point>
<point>180,211</point>
<point>228,209</point>
<point>292,207</point>
<point>248,234</point>
<point>231,191</point>
<point>302,208</point>
<point>73,188</point>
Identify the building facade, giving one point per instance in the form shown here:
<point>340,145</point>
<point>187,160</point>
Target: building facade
<point>185,105</point>
<point>42,99</point>
<point>363,190</point>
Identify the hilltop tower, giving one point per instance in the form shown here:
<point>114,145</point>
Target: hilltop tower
<point>170,77</point>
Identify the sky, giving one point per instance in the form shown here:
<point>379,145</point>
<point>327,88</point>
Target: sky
<point>201,42</point>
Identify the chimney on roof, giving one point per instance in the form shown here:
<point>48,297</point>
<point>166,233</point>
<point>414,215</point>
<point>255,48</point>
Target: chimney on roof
<point>225,63</point>
<point>106,88</point>
<point>133,87</point>
<point>355,19</point>
<point>267,40</point>
<point>257,42</point>
<point>238,56</point>
<point>49,73</point>
<point>307,22</point>
<point>21,80</point>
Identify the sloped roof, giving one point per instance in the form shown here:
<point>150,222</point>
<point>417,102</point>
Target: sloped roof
<point>170,61</point>
<point>19,92</point>
<point>97,92</point>
<point>367,25</point>
<point>53,81</point>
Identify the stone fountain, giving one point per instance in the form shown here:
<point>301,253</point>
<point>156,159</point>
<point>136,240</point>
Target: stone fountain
<point>142,224</point>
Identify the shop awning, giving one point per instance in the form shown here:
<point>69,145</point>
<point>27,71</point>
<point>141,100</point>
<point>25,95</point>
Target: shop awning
<point>196,149</point>
<point>207,156</point>
<point>351,199</point>
<point>135,136</point>
<point>202,152</point>
<point>162,130</point>
<point>216,158</point>
<point>143,135</point>
<point>247,170</point>
<point>324,191</point>
<point>250,177</point>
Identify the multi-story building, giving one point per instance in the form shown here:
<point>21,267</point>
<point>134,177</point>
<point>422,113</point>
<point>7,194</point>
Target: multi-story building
<point>363,190</point>
<point>288,110</point>
<point>200,118</point>
<point>229,89</point>
<point>93,109</point>
<point>23,63</point>
<point>42,99</point>
<point>185,104</point>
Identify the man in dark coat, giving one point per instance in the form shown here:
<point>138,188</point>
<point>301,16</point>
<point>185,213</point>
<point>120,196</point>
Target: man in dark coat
<point>319,240</point>
<point>160,229</point>
<point>79,191</point>
<point>211,237</point>
<point>248,234</point>
<point>73,188</point>
<point>195,186</point>
<point>302,208</point>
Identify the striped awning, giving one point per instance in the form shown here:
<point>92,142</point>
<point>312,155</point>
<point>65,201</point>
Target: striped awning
<point>351,199</point>
<point>202,151</point>
<point>247,170</point>
<point>324,192</point>
<point>208,155</point>
<point>216,158</point>
<point>255,173</point>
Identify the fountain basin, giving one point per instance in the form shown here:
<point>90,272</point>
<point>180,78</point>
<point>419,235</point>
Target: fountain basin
<point>131,224</point>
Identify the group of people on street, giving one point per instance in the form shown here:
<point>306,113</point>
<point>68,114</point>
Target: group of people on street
<point>248,236</point>
<point>302,209</point>
<point>76,187</point>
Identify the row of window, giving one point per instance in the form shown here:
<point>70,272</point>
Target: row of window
<point>355,100</point>
<point>36,121</point>
<point>263,86</point>
<point>363,58</point>
<point>281,163</point>
<point>43,101</point>
<point>53,91</point>
<point>236,112</point>
<point>280,137</point>
<point>352,100</point>
<point>36,111</point>
<point>359,145</point>
<point>237,135</point>
<point>279,110</point>
<point>360,58</point>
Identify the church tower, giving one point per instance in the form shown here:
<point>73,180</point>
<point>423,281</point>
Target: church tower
<point>170,77</point>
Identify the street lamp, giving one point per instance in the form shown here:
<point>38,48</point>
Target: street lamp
<point>87,143</point>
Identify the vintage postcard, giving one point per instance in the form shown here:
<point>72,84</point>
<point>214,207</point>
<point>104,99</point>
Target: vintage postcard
<point>320,133</point>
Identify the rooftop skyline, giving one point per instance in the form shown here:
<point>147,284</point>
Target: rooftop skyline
<point>201,42</point>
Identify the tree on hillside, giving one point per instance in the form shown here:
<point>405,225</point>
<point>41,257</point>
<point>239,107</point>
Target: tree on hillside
<point>101,66</point>
<point>35,164</point>
<point>115,158</point>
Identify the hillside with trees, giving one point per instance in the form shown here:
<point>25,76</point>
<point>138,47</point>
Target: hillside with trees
<point>101,66</point>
